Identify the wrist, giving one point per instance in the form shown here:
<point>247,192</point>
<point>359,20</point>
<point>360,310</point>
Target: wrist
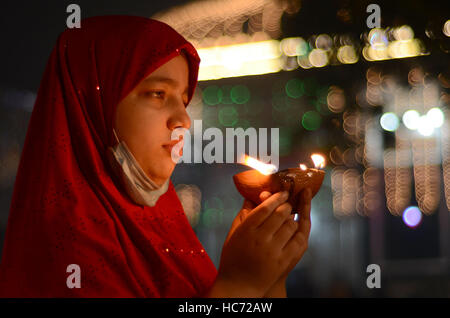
<point>278,290</point>
<point>225,288</point>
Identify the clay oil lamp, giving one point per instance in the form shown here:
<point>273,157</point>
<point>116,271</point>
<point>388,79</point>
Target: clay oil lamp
<point>264,177</point>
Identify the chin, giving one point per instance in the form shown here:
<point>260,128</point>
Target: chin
<point>163,173</point>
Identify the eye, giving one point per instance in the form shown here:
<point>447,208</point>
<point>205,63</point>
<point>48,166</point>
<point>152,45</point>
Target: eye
<point>156,94</point>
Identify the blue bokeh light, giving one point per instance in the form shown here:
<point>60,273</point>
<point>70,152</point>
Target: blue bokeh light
<point>412,216</point>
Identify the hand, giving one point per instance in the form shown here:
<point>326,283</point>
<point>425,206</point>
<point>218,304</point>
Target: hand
<point>278,290</point>
<point>261,246</point>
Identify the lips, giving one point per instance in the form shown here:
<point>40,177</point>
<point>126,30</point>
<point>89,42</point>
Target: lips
<point>169,146</point>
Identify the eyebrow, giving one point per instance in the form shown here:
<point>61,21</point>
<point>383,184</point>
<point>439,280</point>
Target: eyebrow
<point>163,79</point>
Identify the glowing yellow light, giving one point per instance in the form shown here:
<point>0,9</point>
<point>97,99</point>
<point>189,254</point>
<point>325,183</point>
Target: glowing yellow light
<point>302,166</point>
<point>377,53</point>
<point>347,55</point>
<point>446,28</point>
<point>303,62</point>
<point>319,161</point>
<point>402,49</point>
<point>324,42</point>
<point>293,46</point>
<point>403,33</point>
<point>318,58</point>
<point>377,38</point>
<point>380,48</point>
<point>240,60</point>
<point>262,167</point>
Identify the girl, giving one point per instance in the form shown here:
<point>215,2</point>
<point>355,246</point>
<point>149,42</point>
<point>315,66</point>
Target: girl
<point>94,212</point>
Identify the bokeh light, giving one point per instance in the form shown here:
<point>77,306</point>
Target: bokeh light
<point>324,42</point>
<point>318,58</point>
<point>212,95</point>
<point>303,62</point>
<point>436,117</point>
<point>411,119</point>
<point>294,46</point>
<point>190,198</point>
<point>389,121</point>
<point>311,120</point>
<point>446,28</point>
<point>412,216</point>
<point>426,126</point>
<point>336,99</point>
<point>240,94</point>
<point>228,116</point>
<point>226,95</point>
<point>294,88</point>
<point>346,55</point>
<point>403,33</point>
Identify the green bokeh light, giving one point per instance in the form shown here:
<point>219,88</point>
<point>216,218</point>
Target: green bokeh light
<point>295,88</point>
<point>228,116</point>
<point>226,94</point>
<point>213,212</point>
<point>240,94</point>
<point>311,120</point>
<point>302,48</point>
<point>212,217</point>
<point>212,95</point>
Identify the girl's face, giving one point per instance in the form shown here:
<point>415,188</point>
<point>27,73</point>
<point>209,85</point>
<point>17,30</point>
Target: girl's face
<point>146,117</point>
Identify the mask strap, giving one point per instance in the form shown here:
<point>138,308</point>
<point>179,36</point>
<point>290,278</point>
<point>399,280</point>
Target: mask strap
<point>115,135</point>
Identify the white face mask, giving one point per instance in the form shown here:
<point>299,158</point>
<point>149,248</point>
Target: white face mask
<point>138,185</point>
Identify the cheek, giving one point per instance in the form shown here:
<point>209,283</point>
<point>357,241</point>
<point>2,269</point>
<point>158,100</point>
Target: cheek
<point>146,135</point>
<point>145,131</point>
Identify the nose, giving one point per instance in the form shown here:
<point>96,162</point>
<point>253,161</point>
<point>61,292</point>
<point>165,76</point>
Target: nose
<point>179,118</point>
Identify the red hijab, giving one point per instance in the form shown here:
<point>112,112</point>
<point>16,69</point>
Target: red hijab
<point>67,206</point>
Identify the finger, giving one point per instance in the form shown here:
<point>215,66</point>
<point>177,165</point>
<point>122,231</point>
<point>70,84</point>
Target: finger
<point>247,207</point>
<point>305,215</point>
<point>264,195</point>
<point>285,232</point>
<point>295,247</point>
<point>259,214</point>
<point>273,223</point>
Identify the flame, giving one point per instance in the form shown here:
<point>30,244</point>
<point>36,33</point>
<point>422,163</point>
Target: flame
<point>262,167</point>
<point>302,166</point>
<point>319,161</point>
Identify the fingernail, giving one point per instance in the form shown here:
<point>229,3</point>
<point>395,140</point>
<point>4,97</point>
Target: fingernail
<point>285,195</point>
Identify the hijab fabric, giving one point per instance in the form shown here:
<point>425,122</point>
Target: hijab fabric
<point>68,206</point>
